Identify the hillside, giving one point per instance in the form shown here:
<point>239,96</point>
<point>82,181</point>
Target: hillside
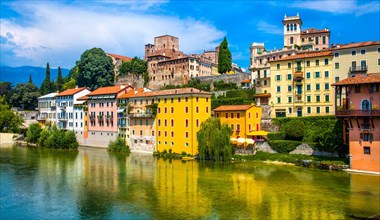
<point>21,74</point>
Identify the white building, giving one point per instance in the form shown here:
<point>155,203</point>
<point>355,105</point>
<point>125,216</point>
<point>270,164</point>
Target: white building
<point>47,109</point>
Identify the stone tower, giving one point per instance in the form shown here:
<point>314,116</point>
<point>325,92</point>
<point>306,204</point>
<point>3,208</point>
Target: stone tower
<point>292,30</point>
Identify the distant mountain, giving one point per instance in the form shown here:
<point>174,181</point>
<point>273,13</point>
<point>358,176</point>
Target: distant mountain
<point>21,74</point>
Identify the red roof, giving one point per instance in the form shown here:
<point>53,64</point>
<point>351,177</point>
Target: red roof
<point>167,92</point>
<point>353,45</point>
<point>306,55</point>
<point>262,95</point>
<point>313,31</point>
<point>83,98</point>
<point>359,79</point>
<point>71,91</point>
<point>246,81</point>
<point>108,90</point>
<point>233,108</point>
<point>123,58</point>
<point>131,93</point>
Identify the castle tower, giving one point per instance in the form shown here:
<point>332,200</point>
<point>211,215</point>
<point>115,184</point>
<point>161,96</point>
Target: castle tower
<point>292,30</point>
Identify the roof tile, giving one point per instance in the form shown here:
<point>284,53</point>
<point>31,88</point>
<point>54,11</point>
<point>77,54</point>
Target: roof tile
<point>71,91</point>
<point>306,55</point>
<point>359,79</point>
<point>233,108</point>
<point>108,90</point>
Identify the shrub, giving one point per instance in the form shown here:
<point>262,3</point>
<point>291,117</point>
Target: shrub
<point>56,138</point>
<point>70,140</point>
<point>118,145</point>
<point>276,136</point>
<point>283,146</point>
<point>294,130</point>
<point>33,133</point>
<point>43,138</point>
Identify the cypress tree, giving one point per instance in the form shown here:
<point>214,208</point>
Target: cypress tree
<point>30,79</point>
<point>46,84</point>
<point>224,57</point>
<point>59,82</point>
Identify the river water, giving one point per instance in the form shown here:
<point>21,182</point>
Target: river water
<point>92,183</point>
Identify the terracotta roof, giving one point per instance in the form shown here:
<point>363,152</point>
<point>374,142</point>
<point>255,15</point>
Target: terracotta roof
<point>71,91</point>
<point>353,45</point>
<point>131,93</point>
<point>123,58</point>
<point>305,55</point>
<point>233,108</point>
<point>83,98</point>
<point>108,90</point>
<point>262,95</point>
<point>313,31</point>
<point>168,92</point>
<point>246,81</point>
<point>359,79</point>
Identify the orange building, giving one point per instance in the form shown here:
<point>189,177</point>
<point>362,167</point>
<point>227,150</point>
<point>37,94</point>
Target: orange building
<point>357,101</point>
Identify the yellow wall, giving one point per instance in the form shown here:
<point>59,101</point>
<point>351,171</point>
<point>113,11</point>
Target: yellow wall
<point>247,120</point>
<point>326,107</point>
<point>179,142</point>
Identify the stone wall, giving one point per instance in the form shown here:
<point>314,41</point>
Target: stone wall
<point>137,81</point>
<point>230,78</point>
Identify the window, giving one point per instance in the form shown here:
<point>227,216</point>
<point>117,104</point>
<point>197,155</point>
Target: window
<point>378,62</point>
<point>366,136</point>
<point>237,127</point>
<point>166,122</point>
<point>336,66</point>
<point>186,99</point>
<point>179,99</point>
<point>197,122</point>
<point>367,150</point>
<point>172,110</point>
<point>291,39</point>
<point>289,65</point>
<point>337,79</point>
<point>232,127</point>
<point>278,77</point>
<point>278,100</point>
<point>324,40</point>
<point>172,123</point>
<point>165,110</point>
<point>146,122</point>
<point>165,99</point>
<point>365,105</point>
<point>317,98</point>
<point>197,109</point>
<point>289,88</point>
<point>317,86</point>
<point>308,63</point>
<point>327,74</point>
<point>290,110</point>
<point>327,86</point>
<point>278,66</point>
<point>187,123</point>
<point>362,51</point>
<point>327,98</point>
<point>353,53</point>
<point>232,115</point>
<point>186,109</point>
<point>316,40</point>
<point>289,99</point>
<point>326,61</point>
<point>289,76</point>
<point>308,110</point>
<point>278,88</point>
<point>197,99</point>
<point>206,109</point>
<point>318,110</point>
<point>308,87</point>
<point>206,99</point>
<point>317,62</point>
<point>308,75</point>
<point>187,134</point>
<point>226,115</point>
<point>357,88</point>
<point>317,74</point>
<point>336,54</point>
<point>308,98</point>
<point>237,115</point>
<point>327,109</point>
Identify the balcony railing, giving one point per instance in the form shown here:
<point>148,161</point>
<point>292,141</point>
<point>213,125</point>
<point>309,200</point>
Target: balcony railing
<point>140,115</point>
<point>358,69</point>
<point>298,69</point>
<point>346,113</point>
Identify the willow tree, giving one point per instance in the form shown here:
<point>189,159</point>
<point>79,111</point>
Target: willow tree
<point>214,140</point>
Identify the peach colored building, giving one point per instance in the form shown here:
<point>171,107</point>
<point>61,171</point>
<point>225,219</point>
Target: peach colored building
<point>102,114</point>
<point>357,104</point>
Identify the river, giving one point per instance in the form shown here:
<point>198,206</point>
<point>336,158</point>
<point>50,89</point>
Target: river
<point>93,183</point>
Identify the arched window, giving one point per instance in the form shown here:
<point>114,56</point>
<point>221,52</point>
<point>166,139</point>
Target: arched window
<point>291,27</point>
<point>295,27</point>
<point>299,112</point>
<point>366,104</point>
<point>287,27</point>
<point>291,40</point>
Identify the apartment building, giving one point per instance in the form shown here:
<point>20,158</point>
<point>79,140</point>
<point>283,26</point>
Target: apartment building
<point>357,105</point>
<point>47,110</point>
<point>301,85</point>
<point>65,108</point>
<point>102,110</point>
<point>355,58</point>
<point>244,120</point>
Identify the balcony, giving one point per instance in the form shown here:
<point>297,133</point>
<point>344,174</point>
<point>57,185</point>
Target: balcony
<point>41,118</point>
<point>100,117</point>
<point>141,115</point>
<point>298,75</point>
<point>53,108</point>
<point>358,69</point>
<point>357,113</point>
<point>62,118</point>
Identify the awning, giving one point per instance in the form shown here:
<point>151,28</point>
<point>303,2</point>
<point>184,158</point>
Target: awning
<point>241,140</point>
<point>120,110</point>
<point>79,102</point>
<point>257,133</point>
<point>249,141</point>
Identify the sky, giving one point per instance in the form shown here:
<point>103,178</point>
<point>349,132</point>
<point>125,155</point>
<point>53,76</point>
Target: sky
<point>36,32</point>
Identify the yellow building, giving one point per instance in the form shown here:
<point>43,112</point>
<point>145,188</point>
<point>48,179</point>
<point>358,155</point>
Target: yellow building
<point>244,120</point>
<point>301,85</point>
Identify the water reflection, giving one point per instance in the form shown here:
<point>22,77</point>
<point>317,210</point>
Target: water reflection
<point>40,183</point>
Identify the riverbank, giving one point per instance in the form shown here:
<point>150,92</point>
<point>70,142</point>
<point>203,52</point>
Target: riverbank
<point>7,138</point>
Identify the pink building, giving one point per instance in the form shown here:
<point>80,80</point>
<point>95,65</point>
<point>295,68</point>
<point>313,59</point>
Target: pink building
<point>102,114</point>
<point>357,101</point>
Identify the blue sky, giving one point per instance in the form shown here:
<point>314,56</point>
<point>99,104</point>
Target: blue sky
<point>58,32</point>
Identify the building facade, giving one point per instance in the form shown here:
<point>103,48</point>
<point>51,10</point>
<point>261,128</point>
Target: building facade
<point>117,60</point>
<point>47,110</point>
<point>65,107</point>
<point>301,85</point>
<point>357,105</point>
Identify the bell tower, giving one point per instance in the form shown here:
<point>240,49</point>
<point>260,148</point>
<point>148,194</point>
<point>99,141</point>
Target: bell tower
<point>292,30</point>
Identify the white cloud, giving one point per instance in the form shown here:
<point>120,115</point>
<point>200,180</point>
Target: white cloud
<point>59,34</point>
<point>265,27</point>
<point>339,7</point>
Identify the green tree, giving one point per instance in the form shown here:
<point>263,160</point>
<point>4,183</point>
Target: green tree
<point>224,57</point>
<point>118,145</point>
<point>59,83</point>
<point>6,90</point>
<point>95,69</point>
<point>25,96</point>
<point>136,66</point>
<point>33,133</point>
<point>30,79</point>
<point>214,140</point>
<point>9,120</point>
<point>69,84</point>
<point>46,84</point>
<point>295,130</point>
